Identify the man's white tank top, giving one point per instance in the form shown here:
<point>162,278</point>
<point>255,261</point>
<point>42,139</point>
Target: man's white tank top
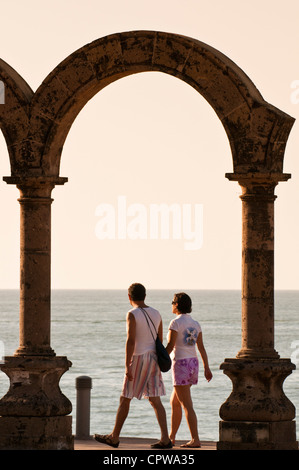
<point>145,341</point>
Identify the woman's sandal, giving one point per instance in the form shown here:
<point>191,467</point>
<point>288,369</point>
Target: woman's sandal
<point>190,446</point>
<point>106,439</point>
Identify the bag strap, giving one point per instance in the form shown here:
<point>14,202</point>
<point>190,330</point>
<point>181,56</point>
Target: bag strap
<point>146,317</point>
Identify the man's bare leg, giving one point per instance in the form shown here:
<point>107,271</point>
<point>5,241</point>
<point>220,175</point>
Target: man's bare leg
<point>161,417</point>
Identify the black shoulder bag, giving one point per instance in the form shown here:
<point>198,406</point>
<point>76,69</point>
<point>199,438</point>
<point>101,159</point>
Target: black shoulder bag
<point>164,360</point>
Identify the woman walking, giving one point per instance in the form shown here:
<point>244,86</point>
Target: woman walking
<point>185,335</point>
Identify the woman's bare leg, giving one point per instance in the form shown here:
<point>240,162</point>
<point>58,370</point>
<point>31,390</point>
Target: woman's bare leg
<point>183,393</point>
<point>176,415</point>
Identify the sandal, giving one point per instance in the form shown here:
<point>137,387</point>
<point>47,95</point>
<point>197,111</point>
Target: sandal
<point>160,445</point>
<point>190,446</point>
<point>106,439</point>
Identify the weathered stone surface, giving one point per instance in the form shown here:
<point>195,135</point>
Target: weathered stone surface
<point>257,436</point>
<point>257,415</point>
<point>36,125</point>
<point>257,393</point>
<point>34,386</point>
<point>258,263</point>
<point>36,433</point>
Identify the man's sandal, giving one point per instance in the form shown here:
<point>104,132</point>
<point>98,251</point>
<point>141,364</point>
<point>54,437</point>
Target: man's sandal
<point>161,445</point>
<point>106,439</point>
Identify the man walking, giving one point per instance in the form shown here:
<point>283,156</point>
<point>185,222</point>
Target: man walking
<point>143,377</point>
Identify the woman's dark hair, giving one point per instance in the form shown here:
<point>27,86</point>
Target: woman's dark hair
<point>184,302</point>
<point>137,291</point>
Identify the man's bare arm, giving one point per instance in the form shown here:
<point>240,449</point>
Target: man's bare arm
<point>130,343</point>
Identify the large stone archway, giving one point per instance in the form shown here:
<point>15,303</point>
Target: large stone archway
<point>35,125</point>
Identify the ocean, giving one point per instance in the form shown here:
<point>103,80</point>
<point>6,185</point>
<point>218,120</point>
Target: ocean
<point>89,327</point>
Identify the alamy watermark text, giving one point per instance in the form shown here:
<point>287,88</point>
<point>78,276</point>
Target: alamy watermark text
<point>157,221</point>
<point>295,93</point>
<point>2,93</point>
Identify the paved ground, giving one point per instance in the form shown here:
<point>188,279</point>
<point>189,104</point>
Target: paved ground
<point>134,443</point>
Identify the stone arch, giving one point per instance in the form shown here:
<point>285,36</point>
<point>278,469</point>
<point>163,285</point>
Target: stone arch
<point>14,113</point>
<point>256,130</point>
<point>257,414</point>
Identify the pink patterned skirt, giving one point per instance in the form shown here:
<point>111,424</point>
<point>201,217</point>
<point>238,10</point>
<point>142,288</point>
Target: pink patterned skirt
<point>185,371</point>
<point>147,381</point>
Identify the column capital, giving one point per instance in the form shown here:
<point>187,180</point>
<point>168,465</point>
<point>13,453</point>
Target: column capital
<point>258,179</point>
<point>35,187</point>
<point>35,180</point>
<point>258,186</point>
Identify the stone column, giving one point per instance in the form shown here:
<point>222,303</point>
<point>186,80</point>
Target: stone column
<point>257,414</point>
<point>35,269</point>
<point>34,411</point>
<point>257,269</point>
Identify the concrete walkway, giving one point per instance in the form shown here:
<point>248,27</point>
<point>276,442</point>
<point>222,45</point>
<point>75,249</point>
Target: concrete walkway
<point>134,443</point>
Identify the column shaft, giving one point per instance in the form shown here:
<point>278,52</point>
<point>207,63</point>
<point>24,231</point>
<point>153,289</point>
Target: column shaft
<point>258,271</point>
<point>35,271</point>
<point>35,262</point>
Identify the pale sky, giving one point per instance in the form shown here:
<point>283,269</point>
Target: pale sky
<point>152,139</point>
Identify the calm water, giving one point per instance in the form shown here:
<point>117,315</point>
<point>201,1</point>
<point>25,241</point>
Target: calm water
<point>89,328</point>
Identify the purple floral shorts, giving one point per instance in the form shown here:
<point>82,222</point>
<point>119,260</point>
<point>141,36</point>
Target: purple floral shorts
<point>185,371</point>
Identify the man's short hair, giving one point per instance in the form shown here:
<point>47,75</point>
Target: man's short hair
<point>137,291</point>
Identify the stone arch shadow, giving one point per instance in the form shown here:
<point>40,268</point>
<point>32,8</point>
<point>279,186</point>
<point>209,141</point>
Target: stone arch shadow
<point>35,126</point>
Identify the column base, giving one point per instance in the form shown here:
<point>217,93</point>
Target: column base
<point>257,394</point>
<point>246,435</point>
<point>34,386</point>
<point>36,433</point>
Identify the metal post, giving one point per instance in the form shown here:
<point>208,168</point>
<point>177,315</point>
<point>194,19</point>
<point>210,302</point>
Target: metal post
<point>83,386</point>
